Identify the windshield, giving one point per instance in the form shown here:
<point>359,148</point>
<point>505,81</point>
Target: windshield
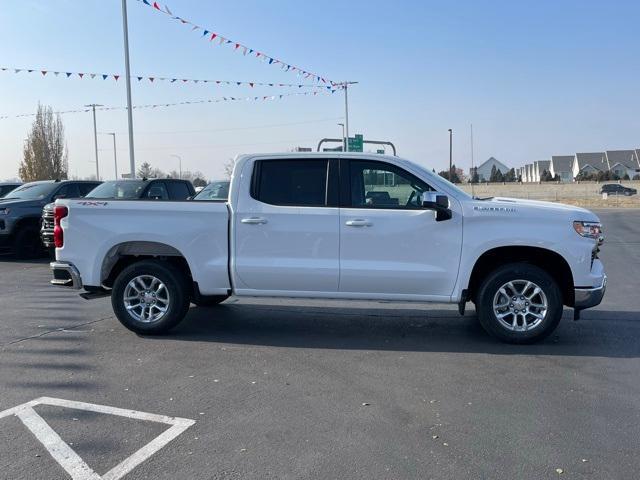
<point>214,191</point>
<point>126,190</point>
<point>452,186</point>
<point>32,191</point>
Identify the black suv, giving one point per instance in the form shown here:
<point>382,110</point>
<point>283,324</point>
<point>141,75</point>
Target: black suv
<point>21,211</point>
<point>617,189</point>
<point>152,189</point>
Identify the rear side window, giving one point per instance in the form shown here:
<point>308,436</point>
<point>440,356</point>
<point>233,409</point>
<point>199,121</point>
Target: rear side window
<point>157,191</point>
<point>291,182</point>
<point>70,190</point>
<point>178,190</point>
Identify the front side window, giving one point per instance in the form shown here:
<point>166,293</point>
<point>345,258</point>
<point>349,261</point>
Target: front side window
<point>300,183</point>
<point>157,191</point>
<point>381,185</point>
<point>119,189</point>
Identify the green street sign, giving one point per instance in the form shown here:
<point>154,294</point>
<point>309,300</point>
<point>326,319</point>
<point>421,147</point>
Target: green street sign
<point>381,152</point>
<point>356,144</point>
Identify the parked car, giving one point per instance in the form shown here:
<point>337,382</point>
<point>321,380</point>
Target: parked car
<point>6,187</point>
<point>218,190</point>
<point>155,189</point>
<point>306,225</point>
<point>618,189</point>
<point>21,212</point>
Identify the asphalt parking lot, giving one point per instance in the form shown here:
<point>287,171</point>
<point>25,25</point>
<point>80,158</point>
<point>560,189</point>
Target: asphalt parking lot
<point>292,389</point>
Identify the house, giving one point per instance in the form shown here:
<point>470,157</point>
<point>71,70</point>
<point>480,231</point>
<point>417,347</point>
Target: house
<point>484,169</point>
<point>590,163</point>
<point>562,166</point>
<point>539,167</point>
<point>623,162</point>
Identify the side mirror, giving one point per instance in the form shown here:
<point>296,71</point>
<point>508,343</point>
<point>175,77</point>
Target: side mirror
<point>437,202</point>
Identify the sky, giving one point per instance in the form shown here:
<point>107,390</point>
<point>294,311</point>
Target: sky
<point>536,78</point>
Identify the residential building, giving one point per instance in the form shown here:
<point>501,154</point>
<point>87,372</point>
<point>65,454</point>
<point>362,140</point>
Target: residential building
<point>623,162</point>
<point>562,166</point>
<point>484,169</point>
<point>590,163</point>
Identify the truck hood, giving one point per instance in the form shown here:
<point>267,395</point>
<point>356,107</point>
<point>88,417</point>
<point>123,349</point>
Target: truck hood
<point>533,207</point>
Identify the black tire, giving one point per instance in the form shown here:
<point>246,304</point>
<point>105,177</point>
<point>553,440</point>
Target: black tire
<point>176,285</point>
<point>512,273</point>
<point>209,301</point>
<point>26,243</point>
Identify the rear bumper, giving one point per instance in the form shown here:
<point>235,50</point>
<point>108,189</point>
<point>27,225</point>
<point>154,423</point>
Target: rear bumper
<point>65,275</point>
<point>589,297</point>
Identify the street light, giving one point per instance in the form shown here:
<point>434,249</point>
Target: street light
<point>95,136</point>
<point>344,140</point>
<point>180,164</point>
<point>115,158</point>
<point>125,31</point>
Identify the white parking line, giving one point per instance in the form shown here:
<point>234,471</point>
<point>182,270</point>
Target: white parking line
<point>70,460</point>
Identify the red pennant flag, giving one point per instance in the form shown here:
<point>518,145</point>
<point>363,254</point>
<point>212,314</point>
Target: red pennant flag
<point>155,5</point>
<point>116,77</point>
<point>81,75</point>
<point>237,46</point>
<point>213,35</point>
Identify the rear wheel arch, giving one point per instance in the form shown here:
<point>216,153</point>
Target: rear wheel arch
<point>551,262</point>
<point>123,255</point>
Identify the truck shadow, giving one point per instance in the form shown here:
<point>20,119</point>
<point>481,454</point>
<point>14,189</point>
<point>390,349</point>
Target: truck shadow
<point>601,333</point>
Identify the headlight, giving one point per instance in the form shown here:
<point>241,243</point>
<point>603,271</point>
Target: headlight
<point>589,230</point>
<point>5,211</point>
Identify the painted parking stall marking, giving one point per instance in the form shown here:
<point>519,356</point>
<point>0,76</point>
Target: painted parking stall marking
<point>68,459</point>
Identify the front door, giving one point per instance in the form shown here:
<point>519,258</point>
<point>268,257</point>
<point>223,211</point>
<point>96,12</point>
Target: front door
<point>286,227</point>
<point>389,244</point>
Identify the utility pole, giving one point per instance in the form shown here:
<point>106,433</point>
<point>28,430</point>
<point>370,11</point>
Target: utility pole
<point>115,158</point>
<point>345,86</point>
<point>125,28</point>
<point>450,155</point>
<point>180,163</point>
<point>95,136</point>
<point>472,170</point>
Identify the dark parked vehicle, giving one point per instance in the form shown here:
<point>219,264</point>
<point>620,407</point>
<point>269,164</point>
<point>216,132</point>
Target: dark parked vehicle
<point>218,190</point>
<point>21,212</point>
<point>152,189</point>
<point>6,187</point>
<point>617,189</point>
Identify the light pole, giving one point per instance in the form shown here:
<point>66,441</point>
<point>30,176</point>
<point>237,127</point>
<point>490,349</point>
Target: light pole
<point>344,140</point>
<point>125,28</point>
<point>180,163</point>
<point>345,86</point>
<point>115,158</point>
<point>450,155</point>
<point>95,136</point>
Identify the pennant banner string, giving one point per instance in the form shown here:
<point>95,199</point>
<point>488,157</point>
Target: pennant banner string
<point>190,102</point>
<point>176,80</point>
<point>214,37</point>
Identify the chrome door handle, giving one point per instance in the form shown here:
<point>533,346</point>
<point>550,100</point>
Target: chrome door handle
<point>254,221</point>
<point>358,222</point>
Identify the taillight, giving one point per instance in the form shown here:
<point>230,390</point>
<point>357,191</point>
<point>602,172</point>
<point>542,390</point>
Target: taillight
<point>59,212</point>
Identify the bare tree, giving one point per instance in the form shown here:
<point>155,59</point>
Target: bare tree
<point>45,151</point>
<point>228,167</point>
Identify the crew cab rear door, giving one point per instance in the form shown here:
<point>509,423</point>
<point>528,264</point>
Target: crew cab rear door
<point>389,244</point>
<point>286,230</point>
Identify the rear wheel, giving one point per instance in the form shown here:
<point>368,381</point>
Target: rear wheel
<point>26,243</point>
<point>150,297</point>
<point>519,303</point>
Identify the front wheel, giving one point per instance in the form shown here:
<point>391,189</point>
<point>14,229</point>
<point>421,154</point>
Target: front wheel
<point>519,303</point>
<point>150,297</point>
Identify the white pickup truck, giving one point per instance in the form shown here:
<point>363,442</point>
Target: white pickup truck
<point>334,226</point>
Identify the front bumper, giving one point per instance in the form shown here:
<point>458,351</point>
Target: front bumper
<point>65,275</point>
<point>589,297</point>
